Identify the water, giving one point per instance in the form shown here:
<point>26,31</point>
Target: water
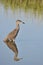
<point>29,40</point>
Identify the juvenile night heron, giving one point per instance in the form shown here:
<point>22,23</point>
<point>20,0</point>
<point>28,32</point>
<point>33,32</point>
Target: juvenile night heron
<point>9,40</point>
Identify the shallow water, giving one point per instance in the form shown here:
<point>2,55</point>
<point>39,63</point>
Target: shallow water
<point>29,40</point>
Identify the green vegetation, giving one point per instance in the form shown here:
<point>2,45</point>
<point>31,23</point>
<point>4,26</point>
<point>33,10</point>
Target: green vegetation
<point>34,5</point>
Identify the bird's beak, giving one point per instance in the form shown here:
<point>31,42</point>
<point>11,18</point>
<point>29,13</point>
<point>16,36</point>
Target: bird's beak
<point>23,22</point>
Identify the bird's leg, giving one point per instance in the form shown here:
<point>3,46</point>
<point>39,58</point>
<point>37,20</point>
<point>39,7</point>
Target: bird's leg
<point>10,40</point>
<point>13,40</point>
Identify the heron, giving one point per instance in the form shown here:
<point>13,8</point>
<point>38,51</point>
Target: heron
<point>10,39</point>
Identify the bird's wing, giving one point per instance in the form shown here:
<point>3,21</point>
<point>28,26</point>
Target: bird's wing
<point>12,34</point>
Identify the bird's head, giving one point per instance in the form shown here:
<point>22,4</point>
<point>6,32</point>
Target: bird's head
<point>19,21</point>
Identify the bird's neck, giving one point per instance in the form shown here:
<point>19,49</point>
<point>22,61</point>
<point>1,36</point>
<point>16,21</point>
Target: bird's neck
<point>17,26</point>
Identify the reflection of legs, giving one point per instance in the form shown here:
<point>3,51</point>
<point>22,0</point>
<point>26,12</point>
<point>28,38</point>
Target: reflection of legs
<point>13,47</point>
<point>16,53</point>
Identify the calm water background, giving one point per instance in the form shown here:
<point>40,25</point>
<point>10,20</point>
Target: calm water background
<point>29,40</point>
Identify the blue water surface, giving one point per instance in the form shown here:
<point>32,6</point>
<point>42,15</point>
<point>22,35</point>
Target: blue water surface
<point>29,40</point>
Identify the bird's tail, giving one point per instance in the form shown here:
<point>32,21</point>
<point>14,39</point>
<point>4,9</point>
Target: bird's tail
<point>5,40</point>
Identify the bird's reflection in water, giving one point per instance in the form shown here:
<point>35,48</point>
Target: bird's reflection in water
<point>13,47</point>
<point>9,40</point>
